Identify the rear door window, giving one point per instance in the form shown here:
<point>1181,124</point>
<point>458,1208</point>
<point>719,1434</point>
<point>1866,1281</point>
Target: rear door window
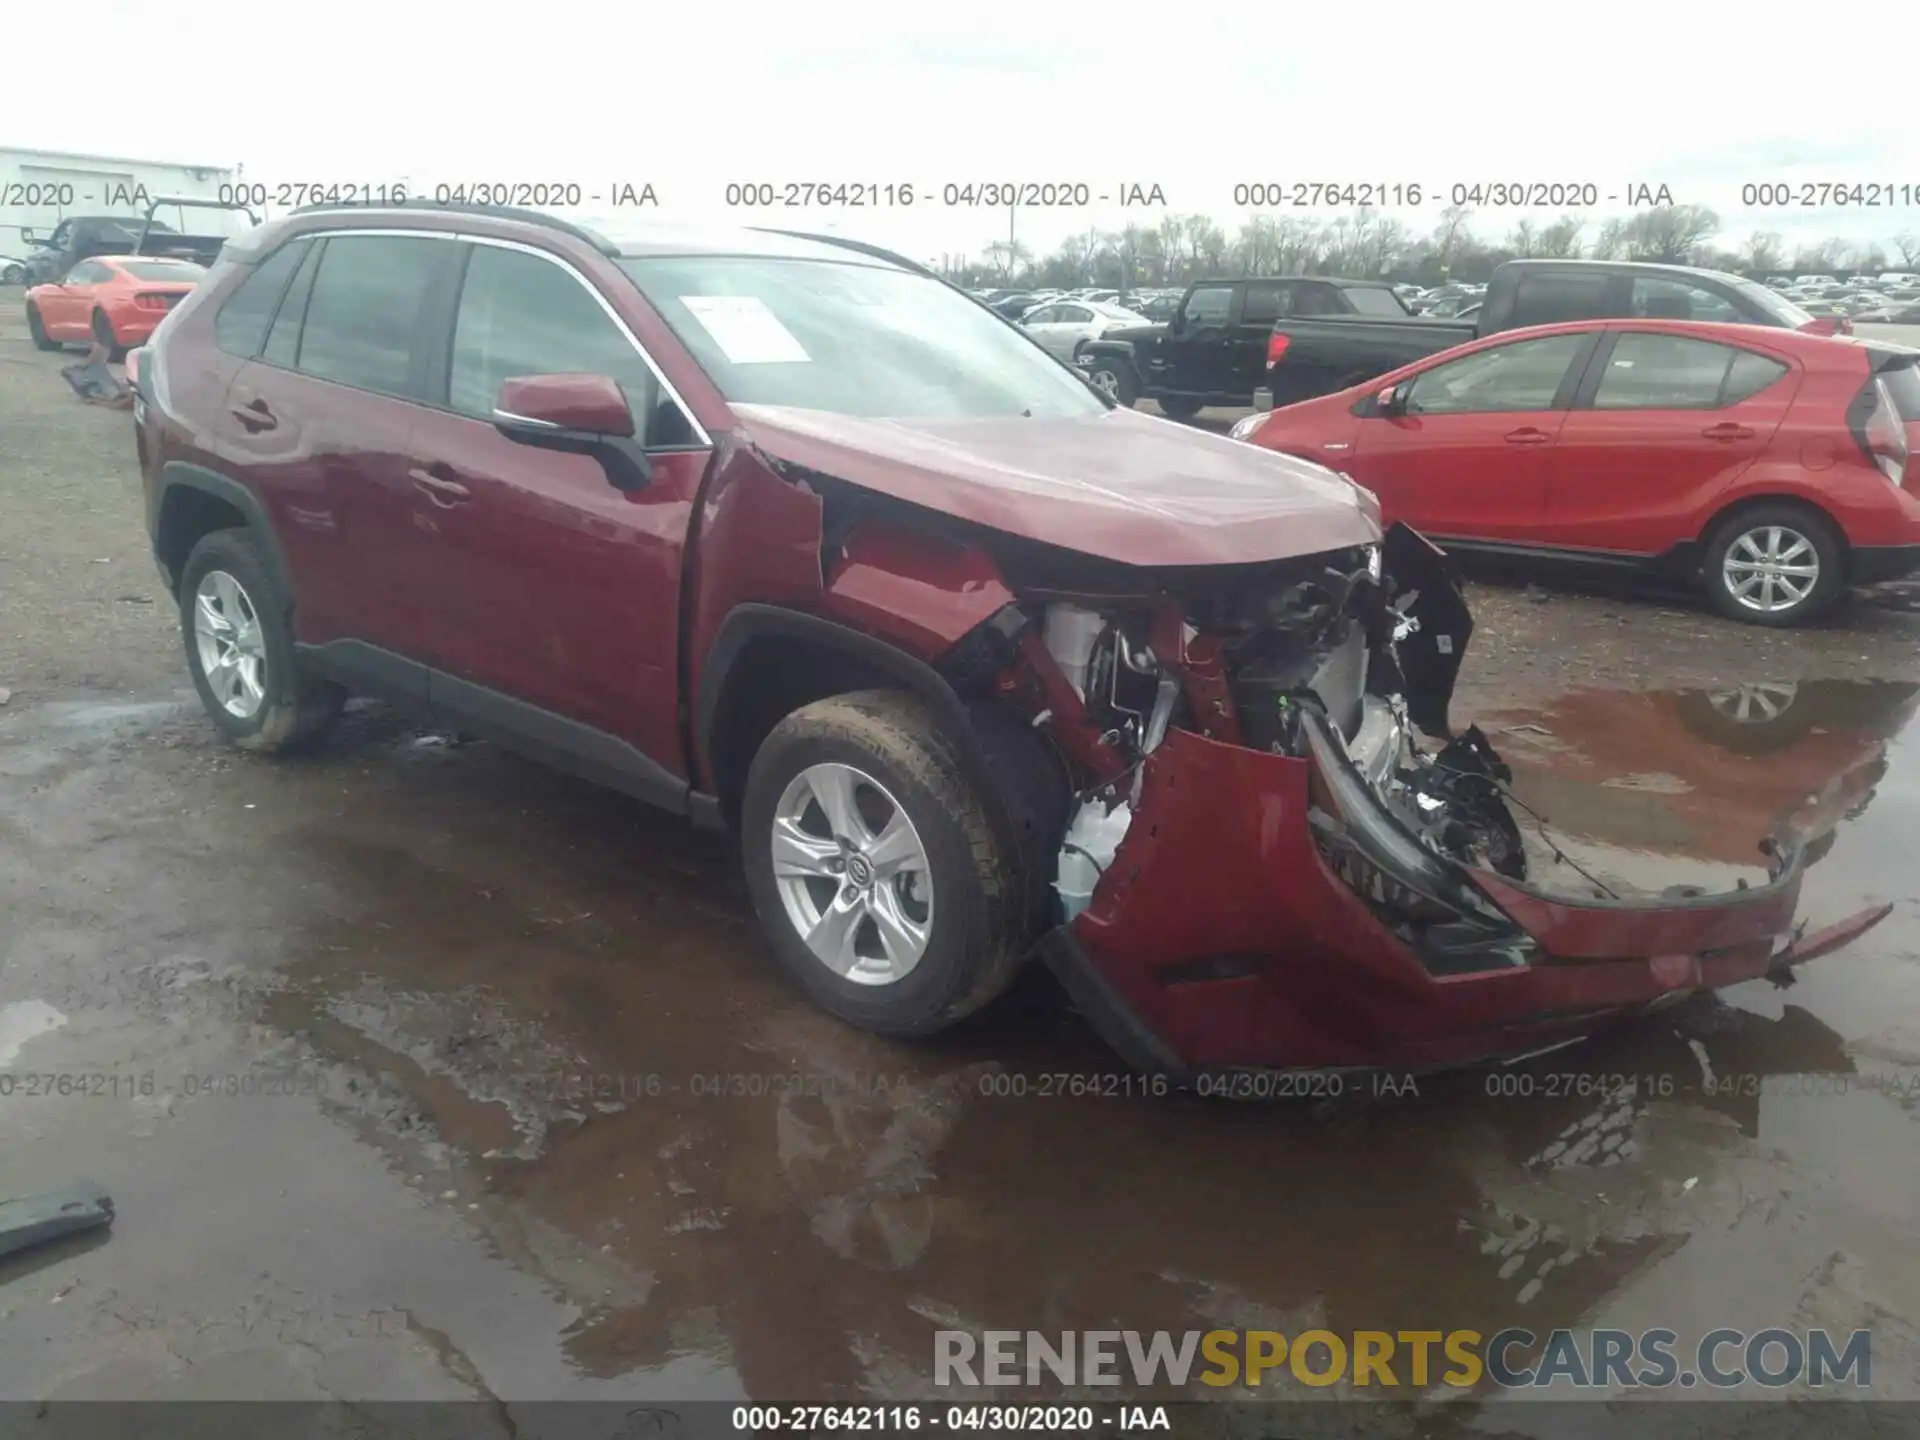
<point>1660,298</point>
<point>1673,372</point>
<point>363,315</point>
<point>1314,298</point>
<point>1523,376</point>
<point>1266,302</point>
<point>1548,299</point>
<point>245,314</point>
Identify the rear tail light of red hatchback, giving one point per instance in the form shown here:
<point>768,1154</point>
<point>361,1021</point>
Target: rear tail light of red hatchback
<point>1880,430</point>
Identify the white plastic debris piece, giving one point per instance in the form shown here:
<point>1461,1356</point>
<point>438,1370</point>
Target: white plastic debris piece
<point>1690,1182</point>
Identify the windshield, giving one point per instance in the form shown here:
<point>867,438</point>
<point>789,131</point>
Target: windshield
<point>176,270</point>
<point>1770,302</point>
<point>853,339</point>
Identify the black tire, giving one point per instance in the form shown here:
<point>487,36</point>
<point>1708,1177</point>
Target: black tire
<point>1115,375</point>
<point>103,332</point>
<point>296,709</point>
<point>38,332</point>
<point>1804,520</point>
<point>977,937</point>
<point>1179,407</point>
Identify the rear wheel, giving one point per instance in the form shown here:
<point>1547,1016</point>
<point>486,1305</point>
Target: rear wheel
<point>235,622</point>
<point>1775,564</point>
<point>38,331</point>
<point>873,866</point>
<point>103,334</point>
<point>1179,407</point>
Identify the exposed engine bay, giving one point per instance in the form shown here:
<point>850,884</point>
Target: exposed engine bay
<point>1332,650</point>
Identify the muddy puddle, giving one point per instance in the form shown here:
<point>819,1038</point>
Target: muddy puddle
<point>572,1128</point>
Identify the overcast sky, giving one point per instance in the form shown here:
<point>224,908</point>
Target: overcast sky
<point>1192,98</point>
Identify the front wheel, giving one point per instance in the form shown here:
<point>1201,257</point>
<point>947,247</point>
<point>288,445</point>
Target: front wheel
<point>873,866</point>
<point>1116,378</point>
<point>1775,564</point>
<point>37,330</point>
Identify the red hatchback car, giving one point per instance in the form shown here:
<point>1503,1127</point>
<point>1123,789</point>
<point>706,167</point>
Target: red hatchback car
<point>117,300</point>
<point>790,537</point>
<point>1769,467</point>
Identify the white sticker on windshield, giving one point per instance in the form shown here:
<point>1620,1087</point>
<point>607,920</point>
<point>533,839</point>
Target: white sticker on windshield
<point>747,332</point>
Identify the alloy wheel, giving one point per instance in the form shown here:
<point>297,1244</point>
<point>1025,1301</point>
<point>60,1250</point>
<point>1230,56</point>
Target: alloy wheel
<point>853,874</point>
<point>233,651</point>
<point>1771,568</point>
<point>1107,381</point>
<point>1755,704</point>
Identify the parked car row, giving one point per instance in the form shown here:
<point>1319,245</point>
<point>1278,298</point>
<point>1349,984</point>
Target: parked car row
<point>786,536</point>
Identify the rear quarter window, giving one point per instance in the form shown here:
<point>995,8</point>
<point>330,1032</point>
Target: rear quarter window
<point>241,324</point>
<point>1548,299</point>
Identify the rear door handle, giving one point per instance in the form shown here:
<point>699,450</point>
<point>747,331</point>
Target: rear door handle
<point>1727,431</point>
<point>1527,435</point>
<point>438,488</point>
<point>255,416</point>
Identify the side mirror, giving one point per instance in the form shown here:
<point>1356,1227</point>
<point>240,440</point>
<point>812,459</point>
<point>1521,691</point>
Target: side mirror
<point>578,415</point>
<point>28,235</point>
<point>1392,401</point>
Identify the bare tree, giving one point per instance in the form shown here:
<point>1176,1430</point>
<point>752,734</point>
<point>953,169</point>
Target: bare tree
<point>1523,241</point>
<point>1869,257</point>
<point>1612,239</point>
<point>1827,255</point>
<point>1378,241</point>
<point>1764,250</point>
<point>1669,233</point>
<point>1907,244</point>
<point>1450,236</point>
<point>1561,239</point>
<point>1008,256</point>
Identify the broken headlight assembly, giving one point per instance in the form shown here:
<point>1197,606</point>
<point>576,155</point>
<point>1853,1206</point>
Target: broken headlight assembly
<point>1425,899</point>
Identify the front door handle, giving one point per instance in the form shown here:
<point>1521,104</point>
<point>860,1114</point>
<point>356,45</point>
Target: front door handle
<point>438,488</point>
<point>1727,430</point>
<point>1527,435</point>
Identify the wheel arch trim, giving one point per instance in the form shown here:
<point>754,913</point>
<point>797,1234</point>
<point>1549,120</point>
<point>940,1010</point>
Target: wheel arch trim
<point>177,475</point>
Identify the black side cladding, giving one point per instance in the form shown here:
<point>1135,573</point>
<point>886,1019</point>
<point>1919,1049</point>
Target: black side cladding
<point>1426,589</point>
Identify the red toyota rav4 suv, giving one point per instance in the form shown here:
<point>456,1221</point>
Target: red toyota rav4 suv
<point>789,536</point>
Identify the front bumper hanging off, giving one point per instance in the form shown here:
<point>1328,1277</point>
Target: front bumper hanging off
<point>1220,938</point>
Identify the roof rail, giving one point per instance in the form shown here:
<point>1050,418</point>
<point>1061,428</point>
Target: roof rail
<point>860,245</point>
<point>493,212</point>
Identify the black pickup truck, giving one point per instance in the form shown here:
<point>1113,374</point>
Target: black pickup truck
<point>1213,349</point>
<point>81,237</point>
<point>1317,356</point>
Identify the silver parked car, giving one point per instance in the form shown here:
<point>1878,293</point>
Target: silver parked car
<point>1064,325</point>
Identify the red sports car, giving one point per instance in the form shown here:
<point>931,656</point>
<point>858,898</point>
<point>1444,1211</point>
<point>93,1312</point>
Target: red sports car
<point>114,299</point>
<point>1765,465</point>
